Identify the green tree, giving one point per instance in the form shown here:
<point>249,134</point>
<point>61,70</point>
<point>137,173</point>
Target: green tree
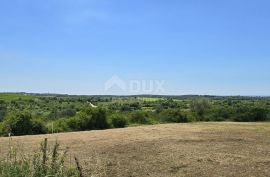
<point>18,124</point>
<point>119,121</point>
<point>173,115</point>
<point>139,117</point>
<point>22,124</point>
<point>200,107</point>
<point>92,119</point>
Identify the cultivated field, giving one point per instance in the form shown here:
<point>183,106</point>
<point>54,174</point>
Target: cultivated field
<point>195,149</point>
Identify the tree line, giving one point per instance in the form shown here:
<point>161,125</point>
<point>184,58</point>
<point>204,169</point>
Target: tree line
<point>46,114</point>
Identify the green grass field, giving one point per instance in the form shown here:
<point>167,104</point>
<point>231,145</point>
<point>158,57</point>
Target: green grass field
<point>149,99</point>
<point>15,96</point>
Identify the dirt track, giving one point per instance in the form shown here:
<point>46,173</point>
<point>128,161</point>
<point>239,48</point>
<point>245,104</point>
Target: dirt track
<point>197,149</point>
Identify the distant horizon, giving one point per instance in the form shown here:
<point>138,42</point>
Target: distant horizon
<point>44,93</point>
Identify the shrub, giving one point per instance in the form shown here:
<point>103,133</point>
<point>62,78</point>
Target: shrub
<point>200,107</point>
<point>119,122</point>
<point>3,111</point>
<point>169,103</point>
<point>60,125</point>
<point>38,127</point>
<point>217,114</point>
<point>58,113</point>
<point>88,119</point>
<point>22,124</point>
<point>172,115</point>
<point>254,114</point>
<point>67,112</point>
<point>139,117</point>
<point>94,119</point>
<point>258,114</point>
<point>18,124</point>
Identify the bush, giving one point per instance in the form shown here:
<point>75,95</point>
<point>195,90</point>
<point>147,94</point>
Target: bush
<point>88,119</point>
<point>93,119</point>
<point>67,113</point>
<point>172,115</point>
<point>38,126</point>
<point>17,124</point>
<point>258,114</point>
<point>119,122</point>
<point>218,114</point>
<point>60,125</point>
<point>245,114</point>
<point>3,111</point>
<point>58,113</point>
<point>22,124</point>
<point>200,107</point>
<point>139,117</point>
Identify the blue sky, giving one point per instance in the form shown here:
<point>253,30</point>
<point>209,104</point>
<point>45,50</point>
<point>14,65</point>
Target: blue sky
<point>196,47</point>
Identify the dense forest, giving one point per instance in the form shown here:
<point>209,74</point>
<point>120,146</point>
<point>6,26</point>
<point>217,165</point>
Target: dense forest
<point>24,114</point>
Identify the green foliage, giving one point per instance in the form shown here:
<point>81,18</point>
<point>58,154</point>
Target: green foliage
<point>40,164</point>
<point>245,114</point>
<point>126,106</point>
<point>200,107</point>
<point>119,121</point>
<point>18,124</point>
<point>28,113</point>
<point>93,119</point>
<point>3,110</point>
<point>15,96</point>
<point>38,126</point>
<point>172,115</point>
<point>66,112</point>
<point>22,124</point>
<point>169,103</point>
<point>60,125</point>
<point>88,119</point>
<point>139,117</point>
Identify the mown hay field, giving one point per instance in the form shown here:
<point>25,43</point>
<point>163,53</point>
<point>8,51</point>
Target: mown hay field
<point>173,150</point>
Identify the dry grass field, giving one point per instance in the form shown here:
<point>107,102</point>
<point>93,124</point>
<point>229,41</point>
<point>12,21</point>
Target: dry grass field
<point>173,150</point>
